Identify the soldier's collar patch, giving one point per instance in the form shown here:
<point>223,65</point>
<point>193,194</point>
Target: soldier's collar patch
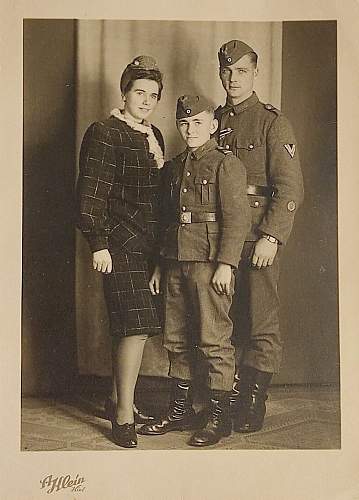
<point>291,149</point>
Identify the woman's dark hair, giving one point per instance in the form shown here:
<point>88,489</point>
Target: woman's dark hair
<point>132,74</point>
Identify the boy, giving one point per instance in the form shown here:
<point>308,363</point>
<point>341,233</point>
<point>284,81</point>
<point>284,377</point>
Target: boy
<point>205,217</point>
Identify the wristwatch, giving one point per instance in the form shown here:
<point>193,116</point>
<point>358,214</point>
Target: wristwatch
<point>270,238</point>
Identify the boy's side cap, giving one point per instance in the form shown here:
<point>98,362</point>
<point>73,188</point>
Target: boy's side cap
<point>191,105</point>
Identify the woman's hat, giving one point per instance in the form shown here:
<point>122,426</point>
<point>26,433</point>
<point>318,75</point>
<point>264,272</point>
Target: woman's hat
<point>144,63</point>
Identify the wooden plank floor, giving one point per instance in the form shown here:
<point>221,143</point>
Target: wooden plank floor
<point>298,417</point>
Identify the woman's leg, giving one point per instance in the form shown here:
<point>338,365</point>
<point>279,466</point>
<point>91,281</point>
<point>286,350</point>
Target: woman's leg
<point>127,356</point>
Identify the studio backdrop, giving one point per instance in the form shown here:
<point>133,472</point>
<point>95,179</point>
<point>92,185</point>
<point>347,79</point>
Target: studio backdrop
<point>71,74</point>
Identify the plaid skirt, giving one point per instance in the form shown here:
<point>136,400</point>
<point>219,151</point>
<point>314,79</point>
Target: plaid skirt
<point>132,309</point>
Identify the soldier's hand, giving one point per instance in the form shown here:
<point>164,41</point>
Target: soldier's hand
<point>102,261</point>
<point>264,253</point>
<point>221,280</point>
<point>155,281</point>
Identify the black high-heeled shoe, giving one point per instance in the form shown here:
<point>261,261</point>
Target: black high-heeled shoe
<point>124,434</point>
<point>140,418</point>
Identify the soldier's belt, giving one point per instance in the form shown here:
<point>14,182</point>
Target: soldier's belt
<point>259,190</point>
<point>191,217</point>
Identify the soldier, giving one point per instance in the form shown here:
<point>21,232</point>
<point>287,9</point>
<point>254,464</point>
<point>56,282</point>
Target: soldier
<point>260,136</point>
<point>206,217</point>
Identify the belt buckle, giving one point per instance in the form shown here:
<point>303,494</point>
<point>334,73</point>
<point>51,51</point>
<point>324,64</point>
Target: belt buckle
<point>186,217</point>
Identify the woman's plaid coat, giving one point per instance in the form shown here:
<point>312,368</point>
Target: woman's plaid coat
<point>118,203</point>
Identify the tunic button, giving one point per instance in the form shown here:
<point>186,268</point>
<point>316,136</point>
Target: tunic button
<point>188,174</point>
<point>231,113</point>
<point>185,190</point>
<point>183,225</point>
<point>183,209</point>
<point>251,146</point>
<point>227,146</point>
<point>256,203</point>
<point>204,181</point>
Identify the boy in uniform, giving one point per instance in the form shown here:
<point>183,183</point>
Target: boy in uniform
<point>205,218</point>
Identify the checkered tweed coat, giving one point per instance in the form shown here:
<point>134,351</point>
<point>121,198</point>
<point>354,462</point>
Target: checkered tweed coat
<point>118,204</point>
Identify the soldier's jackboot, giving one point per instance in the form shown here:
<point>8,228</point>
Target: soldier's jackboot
<point>218,423</point>
<point>180,416</point>
<point>252,398</point>
<point>234,398</point>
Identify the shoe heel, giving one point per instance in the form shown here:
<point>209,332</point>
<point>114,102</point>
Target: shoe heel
<point>227,430</point>
<point>124,435</point>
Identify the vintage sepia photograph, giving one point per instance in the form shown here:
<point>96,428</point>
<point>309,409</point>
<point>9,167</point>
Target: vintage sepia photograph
<point>197,161</point>
<point>179,285</point>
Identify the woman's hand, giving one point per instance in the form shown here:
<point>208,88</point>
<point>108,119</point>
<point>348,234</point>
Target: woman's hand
<point>155,281</point>
<point>222,278</point>
<point>102,261</point>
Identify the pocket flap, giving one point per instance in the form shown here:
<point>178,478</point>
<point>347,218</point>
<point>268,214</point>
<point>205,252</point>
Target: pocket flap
<point>248,144</point>
<point>204,180</point>
<point>257,201</point>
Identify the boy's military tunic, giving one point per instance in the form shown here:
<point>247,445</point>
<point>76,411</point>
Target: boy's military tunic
<point>263,139</point>
<point>210,184</point>
<point>205,216</point>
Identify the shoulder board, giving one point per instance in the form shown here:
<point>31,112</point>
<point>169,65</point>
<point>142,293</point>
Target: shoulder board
<point>270,107</point>
<point>224,150</point>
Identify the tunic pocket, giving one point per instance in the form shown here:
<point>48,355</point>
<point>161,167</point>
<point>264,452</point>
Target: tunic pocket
<point>205,190</point>
<point>252,153</point>
<point>259,205</point>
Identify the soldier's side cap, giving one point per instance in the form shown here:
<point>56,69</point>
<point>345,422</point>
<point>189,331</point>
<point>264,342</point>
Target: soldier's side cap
<point>232,51</point>
<point>191,105</point>
<point>145,63</point>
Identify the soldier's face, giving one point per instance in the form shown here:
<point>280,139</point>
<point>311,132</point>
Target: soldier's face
<point>238,79</point>
<point>141,99</point>
<point>196,130</point>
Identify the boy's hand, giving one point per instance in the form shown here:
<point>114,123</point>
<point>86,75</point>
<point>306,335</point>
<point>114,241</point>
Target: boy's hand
<point>102,261</point>
<point>155,280</point>
<point>221,280</point>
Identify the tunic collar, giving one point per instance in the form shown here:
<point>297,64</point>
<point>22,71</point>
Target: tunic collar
<point>247,103</point>
<point>210,145</point>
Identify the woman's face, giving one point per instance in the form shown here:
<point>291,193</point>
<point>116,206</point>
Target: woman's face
<point>141,99</point>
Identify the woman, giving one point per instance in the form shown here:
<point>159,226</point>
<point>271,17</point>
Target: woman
<point>120,161</point>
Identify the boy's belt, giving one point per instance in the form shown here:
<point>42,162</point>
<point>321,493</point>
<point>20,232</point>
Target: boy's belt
<point>190,217</point>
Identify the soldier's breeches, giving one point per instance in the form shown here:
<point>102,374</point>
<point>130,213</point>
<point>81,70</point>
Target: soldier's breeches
<point>196,316</point>
<point>255,314</point>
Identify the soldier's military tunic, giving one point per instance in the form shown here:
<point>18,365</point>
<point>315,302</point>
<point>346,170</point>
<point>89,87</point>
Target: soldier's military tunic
<point>205,216</point>
<point>263,139</point>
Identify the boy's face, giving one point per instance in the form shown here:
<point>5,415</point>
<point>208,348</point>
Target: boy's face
<point>196,130</point>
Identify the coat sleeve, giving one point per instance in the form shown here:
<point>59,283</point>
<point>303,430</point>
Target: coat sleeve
<point>163,207</point>
<point>286,178</point>
<point>96,176</point>
<point>235,210</point>
<point>159,137</point>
